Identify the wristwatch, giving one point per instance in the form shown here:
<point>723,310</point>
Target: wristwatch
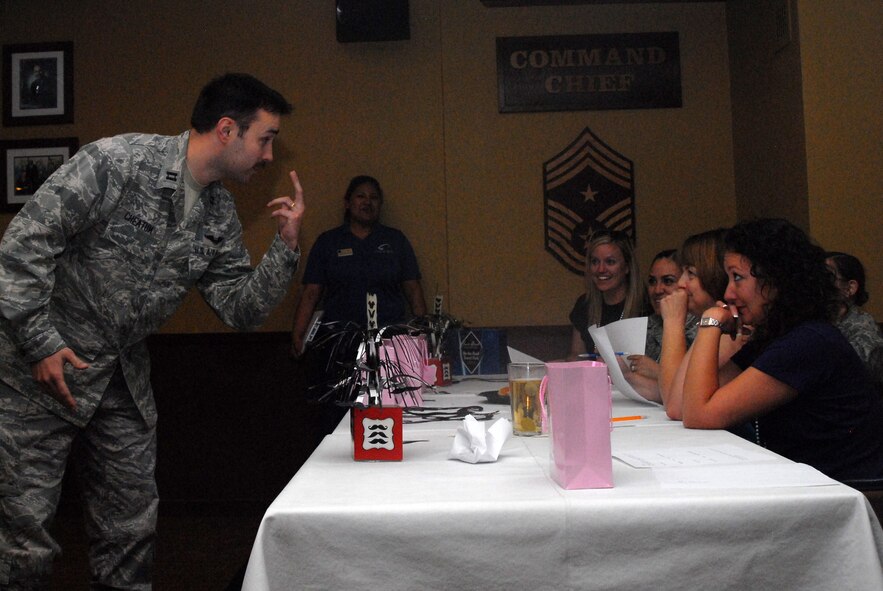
<point>709,321</point>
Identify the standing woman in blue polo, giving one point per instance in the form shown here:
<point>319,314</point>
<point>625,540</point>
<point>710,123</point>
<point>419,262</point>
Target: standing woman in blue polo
<point>359,257</point>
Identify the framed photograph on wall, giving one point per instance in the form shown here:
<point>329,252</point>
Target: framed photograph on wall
<point>38,84</point>
<point>26,164</point>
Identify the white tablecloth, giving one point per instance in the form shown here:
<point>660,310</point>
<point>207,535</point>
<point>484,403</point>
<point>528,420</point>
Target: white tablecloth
<point>433,523</point>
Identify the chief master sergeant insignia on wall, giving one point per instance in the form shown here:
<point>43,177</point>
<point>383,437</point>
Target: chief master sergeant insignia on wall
<point>587,187</point>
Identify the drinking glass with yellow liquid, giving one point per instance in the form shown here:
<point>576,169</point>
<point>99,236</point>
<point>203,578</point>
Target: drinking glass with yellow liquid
<point>524,388</point>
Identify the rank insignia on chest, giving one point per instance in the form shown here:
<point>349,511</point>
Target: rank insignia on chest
<point>344,252</point>
<point>205,251</point>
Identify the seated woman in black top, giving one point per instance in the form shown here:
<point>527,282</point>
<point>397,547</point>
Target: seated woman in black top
<point>614,289</point>
<point>798,377</point>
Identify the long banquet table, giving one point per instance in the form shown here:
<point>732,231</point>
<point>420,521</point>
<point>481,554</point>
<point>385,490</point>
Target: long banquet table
<point>430,522</point>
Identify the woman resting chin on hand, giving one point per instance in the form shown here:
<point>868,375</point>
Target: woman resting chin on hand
<point>702,283</point>
<point>642,371</point>
<point>797,377</point>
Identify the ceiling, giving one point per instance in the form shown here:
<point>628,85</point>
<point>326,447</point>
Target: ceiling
<point>502,3</point>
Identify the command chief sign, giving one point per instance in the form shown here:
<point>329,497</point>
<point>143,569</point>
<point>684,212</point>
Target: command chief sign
<point>589,72</point>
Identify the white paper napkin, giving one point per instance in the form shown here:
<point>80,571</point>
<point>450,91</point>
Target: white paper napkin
<point>474,443</point>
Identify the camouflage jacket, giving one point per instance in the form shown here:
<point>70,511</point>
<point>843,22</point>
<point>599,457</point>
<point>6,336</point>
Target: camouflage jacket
<point>861,331</point>
<point>102,255</point>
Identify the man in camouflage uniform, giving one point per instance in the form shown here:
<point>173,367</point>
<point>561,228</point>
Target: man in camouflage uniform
<point>99,258</point>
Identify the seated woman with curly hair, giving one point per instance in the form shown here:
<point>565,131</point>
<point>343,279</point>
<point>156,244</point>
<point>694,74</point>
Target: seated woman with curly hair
<point>798,377</point>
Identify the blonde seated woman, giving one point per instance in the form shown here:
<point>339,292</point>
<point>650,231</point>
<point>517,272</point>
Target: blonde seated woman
<point>613,289</point>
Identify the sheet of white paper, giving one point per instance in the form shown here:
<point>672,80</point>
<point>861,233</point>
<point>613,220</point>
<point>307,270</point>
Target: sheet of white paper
<point>516,356</point>
<point>627,336</point>
<point>770,475</point>
<point>691,456</point>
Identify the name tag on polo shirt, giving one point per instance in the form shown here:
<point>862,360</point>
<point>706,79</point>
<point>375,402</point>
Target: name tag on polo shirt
<point>345,252</point>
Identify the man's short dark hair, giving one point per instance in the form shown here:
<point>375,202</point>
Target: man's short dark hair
<point>238,96</point>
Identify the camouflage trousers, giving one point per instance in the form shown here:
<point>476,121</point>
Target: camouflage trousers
<point>116,457</point>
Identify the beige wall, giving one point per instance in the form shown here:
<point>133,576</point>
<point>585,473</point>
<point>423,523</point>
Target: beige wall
<point>500,272</point>
<point>362,108</point>
<point>840,45</point>
<point>807,123</point>
<point>463,181</point>
<point>768,128</point>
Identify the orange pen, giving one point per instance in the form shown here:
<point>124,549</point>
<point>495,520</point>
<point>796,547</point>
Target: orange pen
<point>631,418</point>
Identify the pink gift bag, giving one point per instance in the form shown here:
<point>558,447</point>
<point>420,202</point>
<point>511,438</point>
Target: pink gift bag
<point>403,370</point>
<point>579,401</point>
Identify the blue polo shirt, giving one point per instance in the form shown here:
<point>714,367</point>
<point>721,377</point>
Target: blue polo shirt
<point>348,268</point>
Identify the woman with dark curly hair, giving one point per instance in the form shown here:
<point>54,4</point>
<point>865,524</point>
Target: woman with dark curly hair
<point>798,378</point>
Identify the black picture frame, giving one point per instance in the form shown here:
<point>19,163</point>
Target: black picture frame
<point>38,84</point>
<point>26,164</point>
<point>594,72</point>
